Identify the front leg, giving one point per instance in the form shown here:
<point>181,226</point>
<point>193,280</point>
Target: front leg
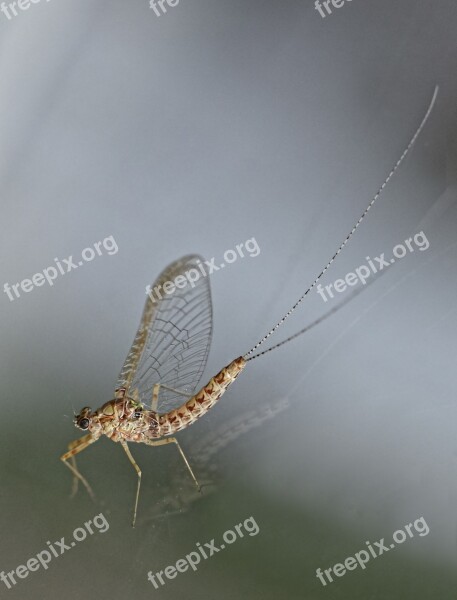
<point>74,448</point>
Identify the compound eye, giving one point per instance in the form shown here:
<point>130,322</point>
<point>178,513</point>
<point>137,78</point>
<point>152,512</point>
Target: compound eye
<point>84,424</point>
<point>137,414</point>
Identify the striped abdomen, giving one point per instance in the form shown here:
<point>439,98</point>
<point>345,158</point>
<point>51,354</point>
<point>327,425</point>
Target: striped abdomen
<point>200,404</point>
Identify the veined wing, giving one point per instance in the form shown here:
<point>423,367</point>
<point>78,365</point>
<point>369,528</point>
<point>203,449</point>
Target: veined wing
<point>172,343</point>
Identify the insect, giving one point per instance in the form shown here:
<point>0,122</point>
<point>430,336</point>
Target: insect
<point>156,393</point>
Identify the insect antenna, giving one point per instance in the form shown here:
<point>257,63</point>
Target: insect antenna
<point>350,234</point>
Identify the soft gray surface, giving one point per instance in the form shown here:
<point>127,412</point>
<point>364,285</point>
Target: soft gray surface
<point>193,132</point>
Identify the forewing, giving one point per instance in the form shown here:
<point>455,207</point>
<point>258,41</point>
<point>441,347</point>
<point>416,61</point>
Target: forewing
<point>172,343</point>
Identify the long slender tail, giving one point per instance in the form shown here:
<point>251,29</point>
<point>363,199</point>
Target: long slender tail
<point>206,398</point>
<point>351,233</point>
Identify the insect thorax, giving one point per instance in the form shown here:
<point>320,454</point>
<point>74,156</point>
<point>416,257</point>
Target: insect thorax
<point>126,419</point>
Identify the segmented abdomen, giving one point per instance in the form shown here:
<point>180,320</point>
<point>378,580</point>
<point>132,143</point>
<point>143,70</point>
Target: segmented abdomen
<point>200,404</point>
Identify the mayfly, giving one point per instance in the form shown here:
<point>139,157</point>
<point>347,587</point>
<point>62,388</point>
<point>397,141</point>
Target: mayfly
<point>167,358</point>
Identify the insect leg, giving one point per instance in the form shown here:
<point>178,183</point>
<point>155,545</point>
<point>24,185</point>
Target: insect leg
<point>181,392</point>
<point>155,397</point>
<point>155,394</point>
<point>138,470</point>
<point>75,448</point>
<point>173,440</point>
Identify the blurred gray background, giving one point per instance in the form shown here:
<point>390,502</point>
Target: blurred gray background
<point>192,132</point>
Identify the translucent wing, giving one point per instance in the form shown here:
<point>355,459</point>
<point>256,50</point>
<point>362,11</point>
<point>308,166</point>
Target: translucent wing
<point>172,343</point>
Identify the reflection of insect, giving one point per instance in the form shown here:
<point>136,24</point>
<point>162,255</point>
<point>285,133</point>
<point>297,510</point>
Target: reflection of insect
<point>166,360</point>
